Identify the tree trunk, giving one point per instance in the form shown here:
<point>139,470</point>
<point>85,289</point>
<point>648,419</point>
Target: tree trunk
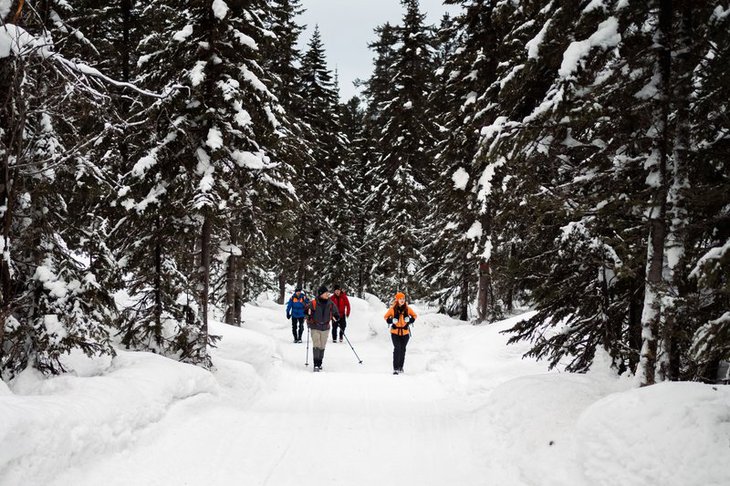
<point>485,282</point>
<point>651,314</point>
<point>634,327</point>
<point>205,237</point>
<point>464,291</point>
<point>282,288</point>
<point>674,246</point>
<point>126,8</point>
<point>232,291</point>
<point>13,116</point>
<point>158,281</point>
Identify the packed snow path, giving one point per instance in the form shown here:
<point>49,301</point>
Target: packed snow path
<point>468,411</point>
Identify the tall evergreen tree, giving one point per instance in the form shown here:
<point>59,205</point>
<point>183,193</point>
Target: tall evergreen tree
<point>320,186</point>
<point>198,184</point>
<point>404,170</point>
<point>456,226</point>
<point>51,292</point>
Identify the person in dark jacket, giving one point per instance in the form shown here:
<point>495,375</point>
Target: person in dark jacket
<point>321,312</point>
<point>400,318</point>
<point>295,311</point>
<point>343,305</point>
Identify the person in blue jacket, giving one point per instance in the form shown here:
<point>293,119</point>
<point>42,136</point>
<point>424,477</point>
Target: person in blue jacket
<point>295,311</point>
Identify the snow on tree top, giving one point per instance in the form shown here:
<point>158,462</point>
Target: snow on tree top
<point>220,9</point>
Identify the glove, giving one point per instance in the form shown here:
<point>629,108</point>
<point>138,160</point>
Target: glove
<point>288,316</point>
<point>411,321</point>
<point>389,321</point>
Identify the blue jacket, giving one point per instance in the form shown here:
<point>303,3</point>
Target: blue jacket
<point>295,306</point>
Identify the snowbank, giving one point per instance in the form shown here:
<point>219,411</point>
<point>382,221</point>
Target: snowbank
<point>60,421</point>
<point>671,434</point>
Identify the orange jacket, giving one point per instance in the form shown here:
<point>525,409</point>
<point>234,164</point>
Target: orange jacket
<point>400,326</point>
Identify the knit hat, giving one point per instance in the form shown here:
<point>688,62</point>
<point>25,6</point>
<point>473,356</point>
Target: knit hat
<point>337,287</point>
<point>321,290</point>
<point>400,295</point>
<point>298,289</point>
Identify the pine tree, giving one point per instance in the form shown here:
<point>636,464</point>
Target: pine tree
<point>52,294</point>
<point>468,69</point>
<point>320,186</point>
<point>404,170</point>
<point>281,59</point>
<point>708,251</point>
<point>207,179</point>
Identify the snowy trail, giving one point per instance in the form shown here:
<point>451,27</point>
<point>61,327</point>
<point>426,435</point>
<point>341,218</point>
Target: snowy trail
<point>351,424</point>
<point>469,411</point>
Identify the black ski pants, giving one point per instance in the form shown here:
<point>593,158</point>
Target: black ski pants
<point>399,350</point>
<point>297,331</point>
<point>342,324</point>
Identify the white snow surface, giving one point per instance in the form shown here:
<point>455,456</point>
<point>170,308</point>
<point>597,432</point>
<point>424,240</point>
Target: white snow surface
<point>4,7</point>
<point>468,411</point>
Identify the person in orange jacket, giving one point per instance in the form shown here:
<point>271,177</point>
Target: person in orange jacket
<point>343,305</point>
<point>400,317</point>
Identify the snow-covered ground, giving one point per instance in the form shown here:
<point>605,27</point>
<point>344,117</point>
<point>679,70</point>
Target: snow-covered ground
<point>468,411</point>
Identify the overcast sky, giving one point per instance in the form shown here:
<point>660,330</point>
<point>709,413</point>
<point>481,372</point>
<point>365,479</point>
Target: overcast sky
<point>347,28</point>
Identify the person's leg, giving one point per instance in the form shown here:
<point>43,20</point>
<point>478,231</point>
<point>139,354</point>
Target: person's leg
<point>300,331</point>
<point>334,331</point>
<point>294,328</point>
<point>317,346</point>
<point>404,344</point>
<point>394,338</point>
<point>343,325</point>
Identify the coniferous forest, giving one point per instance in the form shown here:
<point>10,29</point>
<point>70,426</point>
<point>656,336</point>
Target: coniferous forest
<point>571,156</point>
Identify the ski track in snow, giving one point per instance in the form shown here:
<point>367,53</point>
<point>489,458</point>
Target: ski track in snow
<point>468,411</point>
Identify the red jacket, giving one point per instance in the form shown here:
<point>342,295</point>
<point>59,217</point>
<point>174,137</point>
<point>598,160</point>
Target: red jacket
<point>342,302</point>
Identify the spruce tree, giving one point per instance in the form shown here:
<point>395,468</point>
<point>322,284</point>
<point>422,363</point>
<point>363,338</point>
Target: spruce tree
<point>52,292</point>
<point>454,221</point>
<point>404,170</point>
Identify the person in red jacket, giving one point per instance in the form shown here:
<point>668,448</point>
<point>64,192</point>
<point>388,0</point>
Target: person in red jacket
<point>343,305</point>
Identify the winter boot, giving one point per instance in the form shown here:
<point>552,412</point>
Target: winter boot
<point>321,357</point>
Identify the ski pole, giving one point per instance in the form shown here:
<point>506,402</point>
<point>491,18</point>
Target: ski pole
<point>306,361</point>
<point>353,349</point>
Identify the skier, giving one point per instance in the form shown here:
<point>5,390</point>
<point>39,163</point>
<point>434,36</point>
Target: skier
<point>343,305</point>
<point>400,317</point>
<point>320,313</point>
<point>295,311</point>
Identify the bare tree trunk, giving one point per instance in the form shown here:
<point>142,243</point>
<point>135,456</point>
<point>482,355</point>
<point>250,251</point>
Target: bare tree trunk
<point>158,279</point>
<point>485,282</point>
<point>205,237</point>
<point>651,314</point>
<point>674,246</point>
<point>464,291</point>
<point>282,288</point>
<point>634,326</point>
<point>232,284</point>
<point>13,114</point>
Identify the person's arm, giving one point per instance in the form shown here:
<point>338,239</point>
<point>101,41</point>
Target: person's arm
<point>411,316</point>
<point>347,306</point>
<point>389,316</point>
<point>288,309</point>
<point>335,310</point>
